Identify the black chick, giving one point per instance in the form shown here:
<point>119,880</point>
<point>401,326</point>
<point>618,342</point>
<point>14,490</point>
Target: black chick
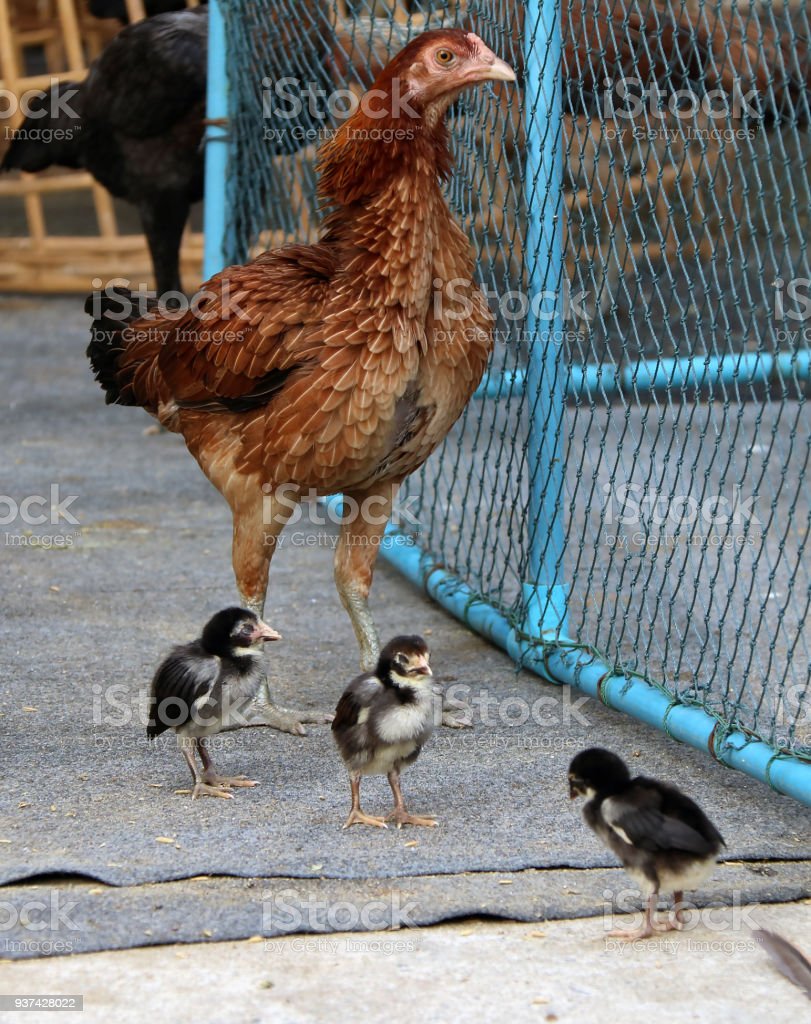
<point>382,721</point>
<point>205,686</point>
<point>664,839</point>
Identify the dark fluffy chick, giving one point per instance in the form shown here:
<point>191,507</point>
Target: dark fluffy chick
<point>205,686</point>
<point>663,838</point>
<point>382,722</point>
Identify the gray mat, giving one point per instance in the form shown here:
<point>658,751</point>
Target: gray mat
<point>83,918</point>
<point>81,792</point>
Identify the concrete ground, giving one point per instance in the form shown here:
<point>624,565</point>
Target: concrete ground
<point>472,970</point>
<point>101,851</point>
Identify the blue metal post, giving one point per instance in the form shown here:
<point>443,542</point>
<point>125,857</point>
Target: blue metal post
<point>545,594</point>
<point>216,139</point>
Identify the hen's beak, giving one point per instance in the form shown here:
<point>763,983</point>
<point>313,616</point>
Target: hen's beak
<point>488,66</point>
<point>264,632</point>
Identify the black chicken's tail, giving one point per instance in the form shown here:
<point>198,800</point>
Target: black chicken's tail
<point>112,311</point>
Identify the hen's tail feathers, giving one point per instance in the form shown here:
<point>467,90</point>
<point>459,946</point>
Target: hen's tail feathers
<point>787,958</point>
<point>112,310</point>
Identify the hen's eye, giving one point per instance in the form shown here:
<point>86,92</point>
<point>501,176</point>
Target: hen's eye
<point>445,57</point>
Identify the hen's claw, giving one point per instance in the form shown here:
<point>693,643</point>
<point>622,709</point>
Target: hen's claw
<point>228,781</point>
<point>204,789</point>
<point>455,720</point>
<point>285,719</point>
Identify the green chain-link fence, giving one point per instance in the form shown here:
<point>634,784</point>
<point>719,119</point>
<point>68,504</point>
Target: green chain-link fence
<point>630,484</point>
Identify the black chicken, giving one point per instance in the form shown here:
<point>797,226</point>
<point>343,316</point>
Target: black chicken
<point>136,124</point>
<point>118,8</point>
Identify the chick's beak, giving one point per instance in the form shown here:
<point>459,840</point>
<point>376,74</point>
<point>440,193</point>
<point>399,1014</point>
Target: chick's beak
<point>423,668</point>
<point>573,794</point>
<point>489,67</point>
<point>264,632</point>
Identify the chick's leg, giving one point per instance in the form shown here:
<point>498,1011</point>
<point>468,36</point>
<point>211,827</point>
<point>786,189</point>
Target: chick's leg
<point>400,815</point>
<point>257,527</point>
<point>648,927</point>
<point>201,786</point>
<point>356,815</point>
<point>210,776</point>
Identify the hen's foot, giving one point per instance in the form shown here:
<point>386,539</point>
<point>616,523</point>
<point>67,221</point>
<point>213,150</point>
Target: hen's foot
<point>227,781</point>
<point>285,719</point>
<point>359,818</point>
<point>456,719</point>
<point>204,789</point>
<point>402,817</point>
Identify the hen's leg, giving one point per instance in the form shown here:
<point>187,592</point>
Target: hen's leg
<point>257,528</point>
<point>368,513</point>
<point>164,217</point>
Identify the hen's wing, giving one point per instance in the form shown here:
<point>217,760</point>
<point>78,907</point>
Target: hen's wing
<point>283,329</point>
<point>245,331</point>
<point>187,675</point>
<point>253,326</point>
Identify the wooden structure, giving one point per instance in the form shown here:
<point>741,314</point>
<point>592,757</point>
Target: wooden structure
<point>42,261</point>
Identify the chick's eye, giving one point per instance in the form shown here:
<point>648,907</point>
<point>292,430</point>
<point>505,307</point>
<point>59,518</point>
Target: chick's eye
<point>445,57</point>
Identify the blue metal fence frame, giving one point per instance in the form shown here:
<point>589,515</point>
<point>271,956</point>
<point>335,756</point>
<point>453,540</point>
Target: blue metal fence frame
<point>541,645</point>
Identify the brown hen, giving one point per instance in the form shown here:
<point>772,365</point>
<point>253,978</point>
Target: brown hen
<point>331,367</point>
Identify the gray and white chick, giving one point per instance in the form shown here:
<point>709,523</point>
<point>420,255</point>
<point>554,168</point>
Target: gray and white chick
<point>204,686</point>
<point>382,722</point>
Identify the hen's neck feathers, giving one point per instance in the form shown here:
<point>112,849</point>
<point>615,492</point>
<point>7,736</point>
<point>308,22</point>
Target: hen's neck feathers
<point>389,213</point>
<point>386,139</point>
